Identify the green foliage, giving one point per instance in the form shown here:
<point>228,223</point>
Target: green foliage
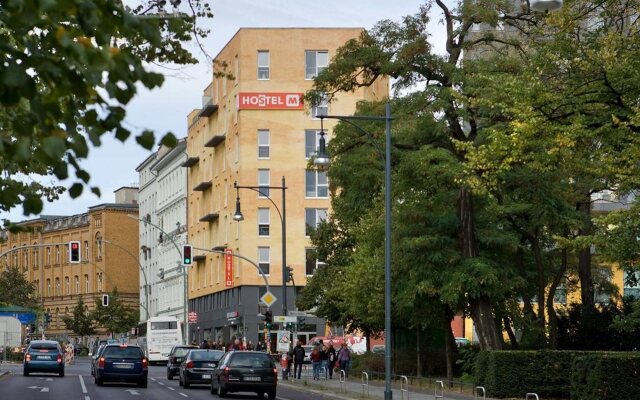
<point>16,356</point>
<point>468,359</point>
<point>16,290</point>
<point>80,322</point>
<point>605,376</point>
<point>117,317</point>
<point>368,362</point>
<point>68,70</point>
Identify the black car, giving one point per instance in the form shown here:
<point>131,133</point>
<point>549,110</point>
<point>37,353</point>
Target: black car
<point>96,357</point>
<point>43,356</point>
<point>176,355</point>
<point>122,363</point>
<point>198,366</point>
<point>245,371</point>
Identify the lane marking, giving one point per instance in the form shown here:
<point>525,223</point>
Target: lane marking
<point>87,398</point>
<point>84,388</point>
<point>160,383</point>
<point>170,388</point>
<point>183,395</point>
<point>153,379</point>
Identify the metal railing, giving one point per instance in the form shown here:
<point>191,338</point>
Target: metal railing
<point>365,384</point>
<point>478,390</point>
<point>404,387</point>
<point>435,392</point>
<point>531,396</point>
<point>343,380</point>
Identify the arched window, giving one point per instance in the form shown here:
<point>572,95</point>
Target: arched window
<point>99,245</point>
<point>25,254</point>
<point>58,288</point>
<point>15,257</point>
<point>86,250</point>
<point>48,288</point>
<point>86,283</point>
<point>76,281</point>
<point>67,285</point>
<point>48,255</point>
<point>100,283</point>
<point>35,260</point>
<point>57,254</point>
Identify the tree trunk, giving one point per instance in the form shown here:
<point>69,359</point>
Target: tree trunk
<point>584,260</point>
<point>367,338</point>
<point>509,329</point>
<point>542,284</point>
<point>526,299</point>
<point>418,362</point>
<point>481,311</point>
<point>450,343</point>
<point>551,311</point>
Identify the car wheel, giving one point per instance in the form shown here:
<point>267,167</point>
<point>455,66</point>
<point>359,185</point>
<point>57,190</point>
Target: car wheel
<point>61,373</point>
<point>180,379</point>
<point>186,383</point>
<point>169,375</point>
<point>221,391</point>
<point>99,381</point>
<point>260,395</point>
<point>272,394</point>
<point>142,383</point>
<point>25,372</point>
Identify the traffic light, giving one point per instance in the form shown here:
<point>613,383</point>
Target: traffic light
<point>186,255</point>
<point>288,274</point>
<point>105,300</point>
<point>74,252</point>
<point>268,319</point>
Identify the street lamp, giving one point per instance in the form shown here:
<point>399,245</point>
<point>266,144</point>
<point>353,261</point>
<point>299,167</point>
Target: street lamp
<point>237,216</point>
<point>322,158</point>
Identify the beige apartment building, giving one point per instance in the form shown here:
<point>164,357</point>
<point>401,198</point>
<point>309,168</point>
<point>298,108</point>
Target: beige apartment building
<point>254,129</point>
<point>108,257</point>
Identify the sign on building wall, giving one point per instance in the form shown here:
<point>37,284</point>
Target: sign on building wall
<point>270,101</point>
<point>228,267</point>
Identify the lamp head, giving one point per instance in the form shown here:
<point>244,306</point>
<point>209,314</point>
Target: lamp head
<point>237,216</point>
<point>322,158</point>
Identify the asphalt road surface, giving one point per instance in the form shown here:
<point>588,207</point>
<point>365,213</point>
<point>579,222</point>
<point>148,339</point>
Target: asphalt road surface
<point>78,384</point>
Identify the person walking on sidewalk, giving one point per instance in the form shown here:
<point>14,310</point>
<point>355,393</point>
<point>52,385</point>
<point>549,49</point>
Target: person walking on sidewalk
<point>298,360</point>
<point>315,362</point>
<point>331,359</point>
<point>344,357</point>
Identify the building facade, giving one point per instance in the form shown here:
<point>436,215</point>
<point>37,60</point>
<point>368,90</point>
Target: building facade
<point>253,129</point>
<point>107,237</point>
<point>163,203</point>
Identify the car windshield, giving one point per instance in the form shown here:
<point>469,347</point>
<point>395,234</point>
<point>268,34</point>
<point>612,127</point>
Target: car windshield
<point>181,351</point>
<point>248,360</point>
<point>122,352</point>
<point>44,346</point>
<point>206,355</point>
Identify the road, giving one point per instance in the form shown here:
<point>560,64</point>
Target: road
<point>78,384</point>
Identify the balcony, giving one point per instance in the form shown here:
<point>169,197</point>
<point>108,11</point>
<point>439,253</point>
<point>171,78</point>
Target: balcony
<point>190,162</point>
<point>214,141</point>
<point>209,217</point>
<point>208,108</point>
<point>202,186</point>
<point>199,258</point>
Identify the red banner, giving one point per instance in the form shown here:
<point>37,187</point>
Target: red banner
<point>228,267</point>
<point>270,101</point>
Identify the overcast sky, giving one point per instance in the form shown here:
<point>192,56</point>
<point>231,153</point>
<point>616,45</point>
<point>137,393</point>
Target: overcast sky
<point>113,164</point>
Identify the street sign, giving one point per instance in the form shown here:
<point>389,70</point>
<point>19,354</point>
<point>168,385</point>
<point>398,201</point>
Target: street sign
<point>297,313</point>
<point>282,318</point>
<point>284,341</point>
<point>193,317</point>
<point>232,314</point>
<point>268,299</point>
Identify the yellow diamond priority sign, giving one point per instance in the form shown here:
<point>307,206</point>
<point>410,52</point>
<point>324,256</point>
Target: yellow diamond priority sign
<point>268,299</point>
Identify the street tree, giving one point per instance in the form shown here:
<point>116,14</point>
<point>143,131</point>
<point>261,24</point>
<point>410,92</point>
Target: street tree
<point>68,71</point>
<point>117,317</point>
<point>80,322</point>
<point>16,290</point>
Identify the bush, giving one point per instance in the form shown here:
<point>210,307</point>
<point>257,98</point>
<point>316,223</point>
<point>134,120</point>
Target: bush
<point>11,354</point>
<point>605,376</point>
<point>369,362</point>
<point>515,373</point>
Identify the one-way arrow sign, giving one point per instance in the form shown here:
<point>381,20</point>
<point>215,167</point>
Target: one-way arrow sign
<point>42,389</point>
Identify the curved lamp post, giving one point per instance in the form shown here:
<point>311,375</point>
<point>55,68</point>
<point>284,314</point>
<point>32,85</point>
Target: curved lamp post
<point>283,219</point>
<point>322,158</point>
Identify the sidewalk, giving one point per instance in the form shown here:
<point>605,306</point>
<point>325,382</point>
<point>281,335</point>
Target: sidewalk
<point>353,388</point>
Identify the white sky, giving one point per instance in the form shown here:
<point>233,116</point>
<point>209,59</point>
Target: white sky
<point>113,164</point>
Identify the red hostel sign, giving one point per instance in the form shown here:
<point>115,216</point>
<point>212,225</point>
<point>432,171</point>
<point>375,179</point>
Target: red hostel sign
<point>270,101</point>
<point>228,268</point>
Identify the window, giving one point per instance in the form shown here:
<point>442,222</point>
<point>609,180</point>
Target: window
<point>86,283</point>
<point>48,287</point>
<point>263,65</point>
<point>316,184</point>
<point>76,281</point>
<point>602,285</point>
<point>312,142</point>
<point>263,143</point>
<point>263,182</point>
<point>313,216</point>
<point>86,250</point>
<point>99,245</point>
<point>631,284</point>
<point>263,259</point>
<point>25,253</point>
<point>35,257</point>
<point>58,288</point>
<point>312,262</point>
<point>263,221</point>
<point>48,255</point>
<point>315,62</point>
<point>320,109</point>
<point>100,283</point>
<point>67,285</point>
<point>57,254</point>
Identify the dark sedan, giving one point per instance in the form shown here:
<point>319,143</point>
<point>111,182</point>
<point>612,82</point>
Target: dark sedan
<point>43,356</point>
<point>122,363</point>
<point>245,371</point>
<point>176,355</point>
<point>198,366</point>
<point>95,358</point>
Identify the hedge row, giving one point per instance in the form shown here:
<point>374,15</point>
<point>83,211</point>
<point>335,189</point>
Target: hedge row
<point>571,375</point>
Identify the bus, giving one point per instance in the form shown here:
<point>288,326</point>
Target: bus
<point>157,336</point>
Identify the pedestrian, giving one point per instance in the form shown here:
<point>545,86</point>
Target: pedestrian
<point>260,346</point>
<point>331,359</point>
<point>315,363</point>
<point>205,344</point>
<point>284,363</point>
<point>344,358</point>
<point>68,353</point>
<point>249,345</point>
<point>298,360</point>
<point>220,345</point>
<point>324,357</point>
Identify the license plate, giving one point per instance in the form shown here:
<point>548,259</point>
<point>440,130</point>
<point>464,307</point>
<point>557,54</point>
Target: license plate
<point>206,376</point>
<point>43,358</point>
<point>123,366</point>
<point>252,378</point>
